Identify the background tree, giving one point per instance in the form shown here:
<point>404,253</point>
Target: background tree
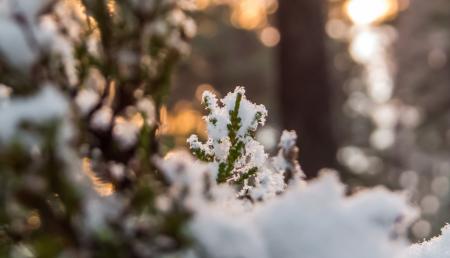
<point>305,89</point>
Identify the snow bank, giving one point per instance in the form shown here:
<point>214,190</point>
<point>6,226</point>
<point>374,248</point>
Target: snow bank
<point>316,221</point>
<point>438,247</point>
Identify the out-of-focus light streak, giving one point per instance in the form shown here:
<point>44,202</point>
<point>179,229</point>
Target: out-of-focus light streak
<point>370,46</point>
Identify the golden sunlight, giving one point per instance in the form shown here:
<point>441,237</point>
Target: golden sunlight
<point>364,12</point>
<point>249,14</point>
<point>102,188</point>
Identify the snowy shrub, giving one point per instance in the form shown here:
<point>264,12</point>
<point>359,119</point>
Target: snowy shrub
<point>234,153</point>
<point>81,83</point>
<point>81,171</point>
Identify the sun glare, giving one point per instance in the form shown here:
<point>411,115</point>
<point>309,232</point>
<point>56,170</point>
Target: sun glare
<point>364,12</point>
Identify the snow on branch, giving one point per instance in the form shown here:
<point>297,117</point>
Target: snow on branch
<point>233,152</point>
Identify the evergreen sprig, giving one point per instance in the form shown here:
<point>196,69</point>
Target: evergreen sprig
<point>233,127</point>
<point>231,167</point>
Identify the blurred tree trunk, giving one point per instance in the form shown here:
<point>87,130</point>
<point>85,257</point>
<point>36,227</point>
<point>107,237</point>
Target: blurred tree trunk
<point>305,89</point>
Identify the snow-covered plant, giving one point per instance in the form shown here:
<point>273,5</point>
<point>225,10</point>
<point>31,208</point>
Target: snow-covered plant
<point>235,155</point>
<point>81,83</point>
<point>80,86</point>
<point>231,127</point>
<point>287,158</point>
<point>125,70</point>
